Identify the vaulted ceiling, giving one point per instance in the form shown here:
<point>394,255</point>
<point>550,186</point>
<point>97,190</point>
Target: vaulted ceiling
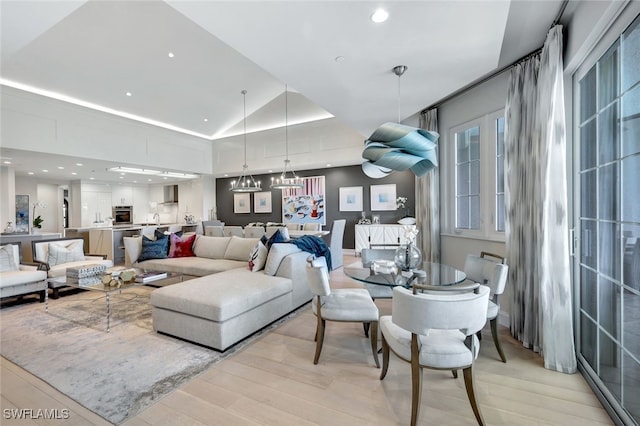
<point>333,58</point>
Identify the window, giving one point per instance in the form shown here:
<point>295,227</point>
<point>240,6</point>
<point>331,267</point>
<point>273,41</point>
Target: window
<point>608,220</point>
<point>476,195</point>
<point>468,178</point>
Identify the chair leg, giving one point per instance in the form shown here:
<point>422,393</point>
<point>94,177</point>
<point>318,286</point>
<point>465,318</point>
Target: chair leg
<point>385,358</point>
<point>455,373</point>
<point>365,325</point>
<point>416,390</point>
<point>319,339</point>
<point>496,341</point>
<point>468,384</point>
<point>56,293</point>
<point>42,296</point>
<point>374,342</point>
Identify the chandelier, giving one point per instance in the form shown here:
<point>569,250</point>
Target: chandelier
<point>246,182</point>
<point>288,178</point>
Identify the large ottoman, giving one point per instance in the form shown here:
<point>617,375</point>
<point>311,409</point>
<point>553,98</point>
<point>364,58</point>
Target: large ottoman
<point>221,309</point>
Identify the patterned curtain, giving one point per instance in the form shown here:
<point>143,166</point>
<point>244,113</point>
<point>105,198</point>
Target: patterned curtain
<point>428,199</point>
<point>536,203</point>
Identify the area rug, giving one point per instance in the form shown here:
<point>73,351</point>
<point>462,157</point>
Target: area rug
<point>115,374</point>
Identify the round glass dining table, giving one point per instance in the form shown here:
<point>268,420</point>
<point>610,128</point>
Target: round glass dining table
<point>385,273</point>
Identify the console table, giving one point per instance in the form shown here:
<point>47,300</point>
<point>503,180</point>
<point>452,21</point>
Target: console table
<point>380,236</point>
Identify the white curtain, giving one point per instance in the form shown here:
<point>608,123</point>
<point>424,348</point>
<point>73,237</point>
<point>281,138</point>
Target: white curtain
<point>536,203</point>
<point>428,199</point>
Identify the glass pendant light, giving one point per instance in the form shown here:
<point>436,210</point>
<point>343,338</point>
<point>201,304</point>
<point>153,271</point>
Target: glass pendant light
<point>246,182</point>
<point>288,178</point>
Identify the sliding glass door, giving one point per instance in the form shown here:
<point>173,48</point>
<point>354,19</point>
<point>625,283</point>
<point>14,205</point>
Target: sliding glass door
<point>608,223</point>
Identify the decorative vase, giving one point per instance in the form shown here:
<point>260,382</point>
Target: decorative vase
<point>408,257</point>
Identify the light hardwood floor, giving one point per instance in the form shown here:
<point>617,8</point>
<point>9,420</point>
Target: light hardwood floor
<point>274,382</point>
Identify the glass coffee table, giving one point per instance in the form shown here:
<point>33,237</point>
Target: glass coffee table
<point>108,290</point>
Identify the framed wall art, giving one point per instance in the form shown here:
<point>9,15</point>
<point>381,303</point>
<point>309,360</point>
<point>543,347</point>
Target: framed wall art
<point>351,199</point>
<point>241,203</point>
<point>22,214</point>
<point>383,197</point>
<point>262,202</point>
<point>305,205</point>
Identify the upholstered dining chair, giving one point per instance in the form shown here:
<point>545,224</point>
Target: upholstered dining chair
<point>293,226</point>
<point>482,270</point>
<point>344,304</point>
<point>214,231</point>
<point>437,331</point>
<point>230,231</point>
<point>254,231</point>
<point>336,238</point>
<point>311,227</point>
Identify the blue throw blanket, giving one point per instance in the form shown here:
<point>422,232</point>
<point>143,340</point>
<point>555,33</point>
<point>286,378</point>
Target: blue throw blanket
<point>314,245</point>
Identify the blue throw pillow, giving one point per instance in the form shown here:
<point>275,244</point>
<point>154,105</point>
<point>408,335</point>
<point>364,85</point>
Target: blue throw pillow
<point>277,237</point>
<point>154,249</point>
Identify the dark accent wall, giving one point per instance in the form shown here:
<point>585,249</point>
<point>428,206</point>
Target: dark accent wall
<point>335,178</point>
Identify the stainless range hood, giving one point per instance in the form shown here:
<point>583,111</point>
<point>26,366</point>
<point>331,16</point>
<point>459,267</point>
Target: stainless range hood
<point>170,194</point>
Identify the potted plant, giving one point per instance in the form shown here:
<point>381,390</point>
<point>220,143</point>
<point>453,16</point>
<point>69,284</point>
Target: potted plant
<point>37,220</point>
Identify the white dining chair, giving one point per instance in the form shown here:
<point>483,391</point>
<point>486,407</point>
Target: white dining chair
<point>311,227</point>
<point>254,231</point>
<point>492,274</point>
<point>437,331</point>
<point>214,231</point>
<point>229,231</point>
<point>344,304</point>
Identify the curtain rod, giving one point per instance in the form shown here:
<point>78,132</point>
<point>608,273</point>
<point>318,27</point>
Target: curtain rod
<point>501,70</point>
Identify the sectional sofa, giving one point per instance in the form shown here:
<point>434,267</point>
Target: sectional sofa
<point>225,301</point>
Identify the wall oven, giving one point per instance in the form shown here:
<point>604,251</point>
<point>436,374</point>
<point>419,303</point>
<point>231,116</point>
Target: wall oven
<point>122,215</point>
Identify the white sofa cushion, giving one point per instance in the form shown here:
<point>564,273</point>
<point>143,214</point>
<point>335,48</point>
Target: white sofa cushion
<point>22,276</point>
<point>9,258</point>
<point>221,296</point>
<point>211,247</point>
<point>277,252</point>
<point>240,248</point>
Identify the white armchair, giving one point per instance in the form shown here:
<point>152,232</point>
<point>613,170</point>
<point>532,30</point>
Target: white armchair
<point>56,255</point>
<point>16,278</point>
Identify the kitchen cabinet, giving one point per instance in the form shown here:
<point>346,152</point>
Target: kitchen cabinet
<point>95,207</point>
<point>122,195</point>
<point>141,208</point>
<point>379,236</point>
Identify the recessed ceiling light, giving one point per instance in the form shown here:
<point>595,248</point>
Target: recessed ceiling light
<point>226,175</point>
<point>7,162</point>
<point>379,15</point>
<point>205,120</point>
<point>121,177</point>
<point>79,164</point>
<point>91,178</point>
<point>60,168</point>
<point>45,170</point>
<point>165,178</point>
<point>31,173</point>
<point>328,164</point>
<point>73,173</point>
<point>128,93</point>
<point>171,55</point>
<point>149,180</point>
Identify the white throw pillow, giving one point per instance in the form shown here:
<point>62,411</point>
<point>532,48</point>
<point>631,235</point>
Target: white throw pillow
<point>277,253</point>
<point>59,254</point>
<point>258,257</point>
<point>8,261</point>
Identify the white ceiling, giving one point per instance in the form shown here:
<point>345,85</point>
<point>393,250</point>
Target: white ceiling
<point>96,51</point>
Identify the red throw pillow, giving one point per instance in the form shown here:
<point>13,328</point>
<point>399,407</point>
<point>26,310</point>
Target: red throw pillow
<point>181,246</point>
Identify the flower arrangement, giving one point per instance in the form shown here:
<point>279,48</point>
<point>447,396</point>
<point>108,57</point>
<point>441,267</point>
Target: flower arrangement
<point>37,220</point>
<point>410,233</point>
<point>401,202</point>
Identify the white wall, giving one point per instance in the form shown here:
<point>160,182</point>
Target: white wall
<point>311,145</point>
<point>36,123</point>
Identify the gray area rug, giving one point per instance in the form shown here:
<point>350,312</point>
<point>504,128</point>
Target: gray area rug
<point>115,374</point>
